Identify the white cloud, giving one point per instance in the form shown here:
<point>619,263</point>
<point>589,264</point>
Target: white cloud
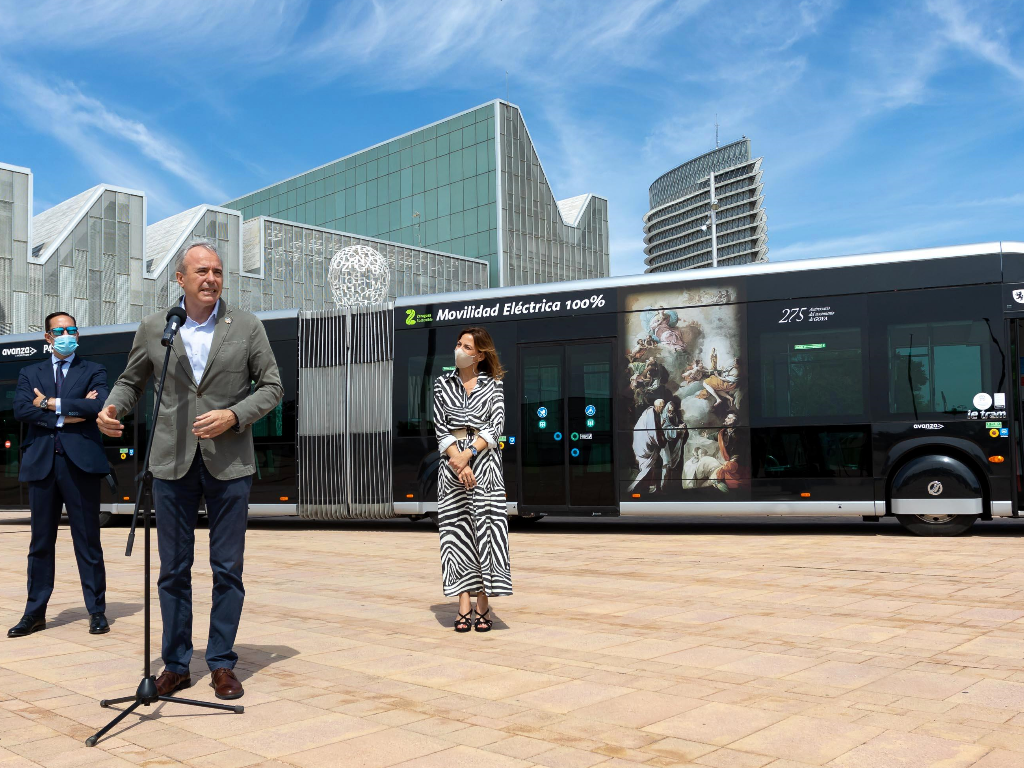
<point>92,131</point>
<point>247,30</point>
<point>918,236</point>
<point>963,29</point>
<point>402,44</point>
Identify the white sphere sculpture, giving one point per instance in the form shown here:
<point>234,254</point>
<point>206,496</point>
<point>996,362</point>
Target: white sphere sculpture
<point>359,275</point>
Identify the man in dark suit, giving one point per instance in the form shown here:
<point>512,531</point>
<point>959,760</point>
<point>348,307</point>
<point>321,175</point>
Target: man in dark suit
<point>63,462</point>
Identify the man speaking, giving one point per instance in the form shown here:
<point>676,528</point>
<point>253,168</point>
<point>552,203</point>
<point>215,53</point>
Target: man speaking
<point>222,377</point>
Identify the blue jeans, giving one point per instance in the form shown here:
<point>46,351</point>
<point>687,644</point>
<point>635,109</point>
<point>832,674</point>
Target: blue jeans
<point>177,511</point>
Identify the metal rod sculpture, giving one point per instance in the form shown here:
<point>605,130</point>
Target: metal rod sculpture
<point>343,456</point>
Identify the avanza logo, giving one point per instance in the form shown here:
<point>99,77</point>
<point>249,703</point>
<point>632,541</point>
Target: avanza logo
<point>18,351</point>
<point>928,426</point>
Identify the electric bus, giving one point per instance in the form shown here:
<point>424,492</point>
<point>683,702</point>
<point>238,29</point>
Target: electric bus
<point>884,385</point>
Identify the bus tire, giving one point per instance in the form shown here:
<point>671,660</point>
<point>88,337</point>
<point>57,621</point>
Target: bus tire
<point>106,518</point>
<point>947,525</point>
<point>936,495</point>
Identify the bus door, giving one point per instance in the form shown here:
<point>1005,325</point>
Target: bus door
<point>1016,406</point>
<point>11,492</point>
<point>566,426</point>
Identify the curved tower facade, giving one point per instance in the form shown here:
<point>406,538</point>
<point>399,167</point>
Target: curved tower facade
<point>684,230</point>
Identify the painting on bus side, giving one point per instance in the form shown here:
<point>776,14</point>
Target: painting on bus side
<point>685,391</point>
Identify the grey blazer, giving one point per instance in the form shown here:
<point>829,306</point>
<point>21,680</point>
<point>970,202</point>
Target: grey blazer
<point>241,374</point>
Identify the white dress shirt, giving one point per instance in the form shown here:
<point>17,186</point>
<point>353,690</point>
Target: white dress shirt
<point>66,363</point>
<point>197,338</point>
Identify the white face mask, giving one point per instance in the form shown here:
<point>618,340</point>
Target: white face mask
<point>464,359</point>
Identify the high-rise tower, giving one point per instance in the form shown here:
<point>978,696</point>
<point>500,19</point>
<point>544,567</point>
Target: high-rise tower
<point>691,225</point>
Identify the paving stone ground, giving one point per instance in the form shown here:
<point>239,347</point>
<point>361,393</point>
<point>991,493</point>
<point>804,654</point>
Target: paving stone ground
<point>713,644</point>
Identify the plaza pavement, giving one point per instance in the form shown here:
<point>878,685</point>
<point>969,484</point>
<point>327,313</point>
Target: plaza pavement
<point>714,644</point>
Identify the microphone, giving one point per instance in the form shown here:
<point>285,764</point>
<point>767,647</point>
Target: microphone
<point>175,317</point>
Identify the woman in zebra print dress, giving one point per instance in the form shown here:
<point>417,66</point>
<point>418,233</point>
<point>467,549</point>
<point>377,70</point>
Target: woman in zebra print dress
<point>469,415</point>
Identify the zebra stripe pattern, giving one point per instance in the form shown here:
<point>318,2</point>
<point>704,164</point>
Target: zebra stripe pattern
<point>473,524</point>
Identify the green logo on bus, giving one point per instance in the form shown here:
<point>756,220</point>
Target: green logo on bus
<point>412,317</point>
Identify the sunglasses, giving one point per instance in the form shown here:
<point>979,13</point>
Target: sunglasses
<point>61,331</point>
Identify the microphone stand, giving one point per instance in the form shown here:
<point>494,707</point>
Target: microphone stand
<point>146,693</point>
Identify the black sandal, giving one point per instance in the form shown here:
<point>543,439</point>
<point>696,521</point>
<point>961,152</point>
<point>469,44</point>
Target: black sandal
<point>482,624</point>
<point>462,624</point>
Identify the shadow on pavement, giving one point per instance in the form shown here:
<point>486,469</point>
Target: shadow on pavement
<point>253,659</point>
<point>114,612</point>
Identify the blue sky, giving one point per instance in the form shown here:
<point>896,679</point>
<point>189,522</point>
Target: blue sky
<point>883,125</point>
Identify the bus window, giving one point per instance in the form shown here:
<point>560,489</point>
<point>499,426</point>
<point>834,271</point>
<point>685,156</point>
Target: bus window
<point>419,385</point>
<point>937,367</point>
<point>808,361</point>
<point>811,452</point>
<point>279,425</point>
<point>809,373</point>
<point>10,447</point>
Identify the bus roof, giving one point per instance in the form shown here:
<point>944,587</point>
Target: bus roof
<point>603,283</point>
<point>721,273</point>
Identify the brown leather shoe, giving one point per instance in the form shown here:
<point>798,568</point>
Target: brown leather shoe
<point>225,684</point>
<point>169,682</point>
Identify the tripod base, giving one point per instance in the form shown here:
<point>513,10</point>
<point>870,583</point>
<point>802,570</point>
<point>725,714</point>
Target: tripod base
<point>144,697</point>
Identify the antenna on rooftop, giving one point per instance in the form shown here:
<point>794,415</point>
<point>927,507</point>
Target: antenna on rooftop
<point>716,130</point>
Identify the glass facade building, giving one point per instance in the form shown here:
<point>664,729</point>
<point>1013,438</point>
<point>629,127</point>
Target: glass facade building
<point>93,256</point>
<point>285,266</point>
<point>677,229</point>
<point>164,238</point>
<point>470,185</point>
<point>15,236</point>
<point>87,259</point>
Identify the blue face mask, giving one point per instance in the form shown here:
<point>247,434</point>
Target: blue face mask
<point>65,345</point>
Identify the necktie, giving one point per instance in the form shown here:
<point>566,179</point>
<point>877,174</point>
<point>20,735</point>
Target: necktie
<point>60,382</point>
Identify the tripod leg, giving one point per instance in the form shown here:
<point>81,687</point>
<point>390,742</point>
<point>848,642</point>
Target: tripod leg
<point>112,702</point>
<point>208,704</point>
<point>91,741</point>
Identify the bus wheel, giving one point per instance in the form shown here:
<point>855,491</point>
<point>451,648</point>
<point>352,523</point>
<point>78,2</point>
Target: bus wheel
<point>936,495</point>
<point>937,525</point>
<point>530,517</point>
<point>105,518</point>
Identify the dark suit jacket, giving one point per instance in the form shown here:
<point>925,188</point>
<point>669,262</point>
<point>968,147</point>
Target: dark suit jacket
<point>82,441</point>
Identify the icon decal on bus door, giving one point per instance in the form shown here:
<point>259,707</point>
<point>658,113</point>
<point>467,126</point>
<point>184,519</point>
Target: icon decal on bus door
<point>982,401</point>
<point>590,410</point>
<point>542,412</point>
